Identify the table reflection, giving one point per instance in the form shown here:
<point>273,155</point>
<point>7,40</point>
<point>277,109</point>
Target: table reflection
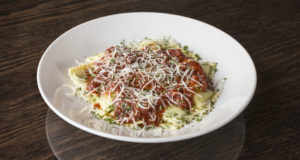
<point>68,142</point>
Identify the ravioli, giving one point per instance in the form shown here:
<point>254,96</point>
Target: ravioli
<point>147,84</point>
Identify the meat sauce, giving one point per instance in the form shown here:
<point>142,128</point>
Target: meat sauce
<point>152,115</point>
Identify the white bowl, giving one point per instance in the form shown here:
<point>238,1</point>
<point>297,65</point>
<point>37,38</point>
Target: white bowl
<point>94,36</point>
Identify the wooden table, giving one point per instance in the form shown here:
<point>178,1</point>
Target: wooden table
<point>268,129</point>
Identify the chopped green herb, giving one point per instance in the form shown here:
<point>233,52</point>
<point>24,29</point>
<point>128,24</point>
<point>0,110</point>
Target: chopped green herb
<point>185,48</point>
<point>197,56</point>
<point>112,60</point>
<point>188,112</point>
<point>108,120</point>
<point>161,107</point>
<point>94,114</point>
<point>198,119</point>
<point>111,108</point>
<point>205,112</point>
<point>123,42</point>
<point>182,119</point>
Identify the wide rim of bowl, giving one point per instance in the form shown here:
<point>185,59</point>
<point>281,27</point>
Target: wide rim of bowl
<point>140,139</point>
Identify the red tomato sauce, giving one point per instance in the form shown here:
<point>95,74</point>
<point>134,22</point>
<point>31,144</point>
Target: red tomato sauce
<point>153,114</point>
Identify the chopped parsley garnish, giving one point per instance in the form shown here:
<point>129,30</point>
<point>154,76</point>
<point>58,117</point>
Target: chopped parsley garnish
<point>185,48</point>
<point>197,56</point>
<point>111,108</point>
<point>108,120</point>
<point>161,107</point>
<point>198,119</point>
<point>112,60</point>
<point>122,42</point>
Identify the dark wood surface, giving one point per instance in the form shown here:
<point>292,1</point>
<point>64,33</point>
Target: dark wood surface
<point>269,30</point>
